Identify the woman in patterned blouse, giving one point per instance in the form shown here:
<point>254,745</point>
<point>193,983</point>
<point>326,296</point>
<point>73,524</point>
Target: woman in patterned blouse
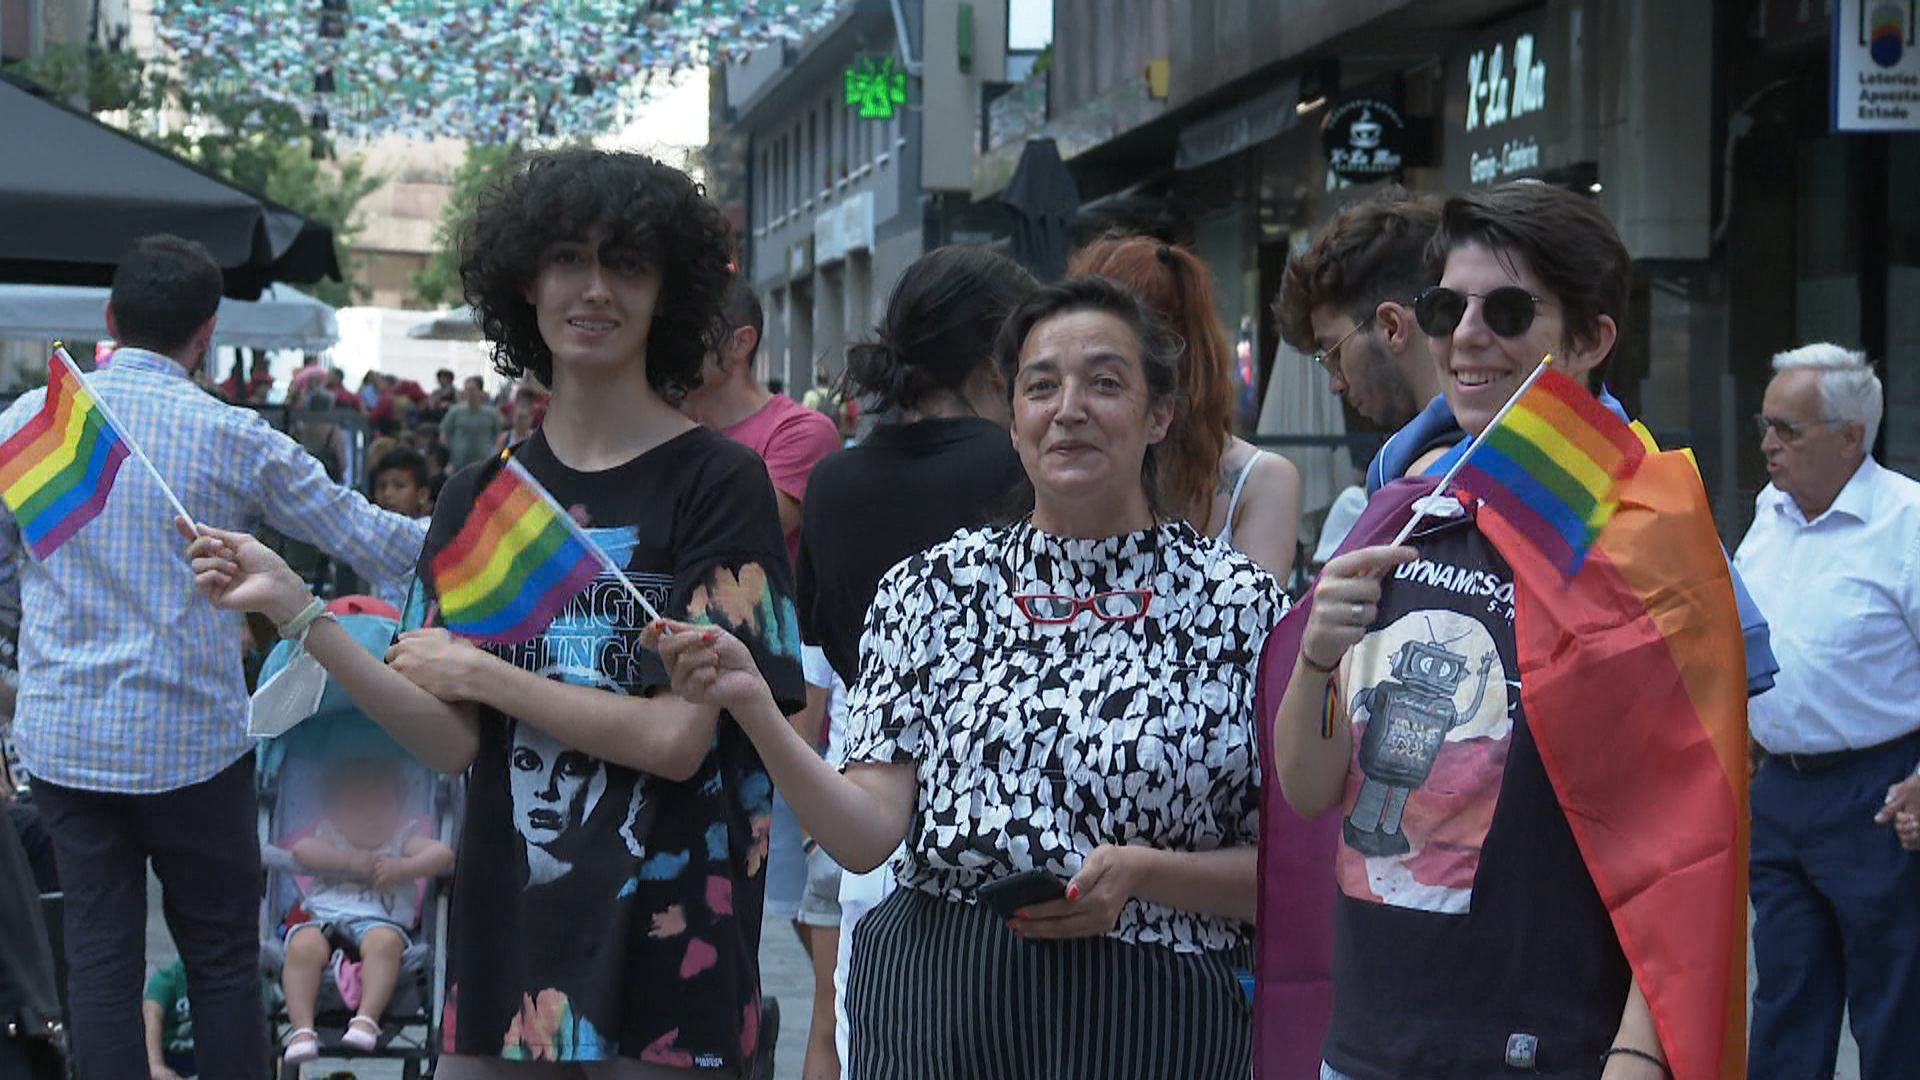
<point>1070,695</point>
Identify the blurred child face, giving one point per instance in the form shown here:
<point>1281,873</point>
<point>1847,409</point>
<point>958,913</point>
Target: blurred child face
<point>396,490</point>
<point>367,807</point>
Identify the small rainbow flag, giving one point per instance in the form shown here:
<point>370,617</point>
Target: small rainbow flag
<point>514,564</point>
<point>1550,463</point>
<point>56,472</point>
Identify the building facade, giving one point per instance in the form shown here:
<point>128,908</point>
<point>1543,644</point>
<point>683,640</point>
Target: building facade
<point>1705,128</point>
<point>843,184</point>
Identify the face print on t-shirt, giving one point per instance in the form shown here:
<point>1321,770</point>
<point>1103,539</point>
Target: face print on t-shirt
<point>554,791</point>
<point>1429,697</point>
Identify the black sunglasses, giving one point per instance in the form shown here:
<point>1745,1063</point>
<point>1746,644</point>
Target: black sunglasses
<point>1507,310</point>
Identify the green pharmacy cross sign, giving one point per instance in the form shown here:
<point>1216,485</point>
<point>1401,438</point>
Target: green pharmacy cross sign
<point>876,86</point>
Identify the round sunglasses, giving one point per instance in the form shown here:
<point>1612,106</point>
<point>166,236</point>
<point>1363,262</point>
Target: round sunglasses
<point>1508,310</point>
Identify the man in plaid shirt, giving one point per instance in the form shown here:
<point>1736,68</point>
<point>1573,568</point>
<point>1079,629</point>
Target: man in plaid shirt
<point>132,709</point>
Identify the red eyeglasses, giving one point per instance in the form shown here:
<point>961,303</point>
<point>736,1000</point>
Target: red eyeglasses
<point>1121,605</point>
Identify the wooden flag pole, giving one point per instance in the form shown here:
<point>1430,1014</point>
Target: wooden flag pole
<point>106,411</point>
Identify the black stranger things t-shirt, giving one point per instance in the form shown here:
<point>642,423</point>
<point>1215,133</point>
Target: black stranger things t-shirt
<point>600,912</point>
<point>1469,940</point>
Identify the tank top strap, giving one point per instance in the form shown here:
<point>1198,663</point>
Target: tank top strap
<point>1233,501</point>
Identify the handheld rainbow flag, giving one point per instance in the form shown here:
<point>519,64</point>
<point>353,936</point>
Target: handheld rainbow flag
<point>516,563</point>
<point>56,472</point>
<point>1549,462</point>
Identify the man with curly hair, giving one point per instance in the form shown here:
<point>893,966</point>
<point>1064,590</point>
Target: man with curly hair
<point>608,898</point>
<point>1347,301</point>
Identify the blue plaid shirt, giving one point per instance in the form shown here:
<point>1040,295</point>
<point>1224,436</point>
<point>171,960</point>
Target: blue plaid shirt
<point>130,681</point>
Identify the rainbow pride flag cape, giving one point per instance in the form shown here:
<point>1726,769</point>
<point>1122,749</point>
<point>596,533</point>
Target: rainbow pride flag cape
<point>1633,676</point>
<point>1550,464</point>
<point>56,472</point>
<point>514,564</point>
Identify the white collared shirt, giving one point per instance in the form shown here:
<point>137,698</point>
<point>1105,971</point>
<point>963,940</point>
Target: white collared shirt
<point>1842,593</point>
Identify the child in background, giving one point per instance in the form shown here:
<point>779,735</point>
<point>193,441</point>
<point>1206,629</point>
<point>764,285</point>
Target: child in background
<point>367,861</point>
<point>169,1020</point>
<point>402,484</point>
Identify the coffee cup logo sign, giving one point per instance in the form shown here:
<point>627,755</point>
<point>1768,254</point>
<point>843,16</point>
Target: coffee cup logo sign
<point>1365,139</point>
<point>1505,85</point>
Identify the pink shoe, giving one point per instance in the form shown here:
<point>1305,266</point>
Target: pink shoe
<point>363,1034</point>
<point>303,1045</point>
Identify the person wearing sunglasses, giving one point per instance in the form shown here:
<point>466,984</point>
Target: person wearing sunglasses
<point>1835,541</point>
<point>1471,935</point>
<point>1064,703</point>
<point>1347,301</point>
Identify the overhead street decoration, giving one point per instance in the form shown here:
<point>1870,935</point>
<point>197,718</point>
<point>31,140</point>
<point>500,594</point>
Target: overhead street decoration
<point>488,72</point>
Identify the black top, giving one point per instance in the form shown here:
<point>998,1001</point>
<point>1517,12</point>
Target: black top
<point>1469,940</point>
<point>903,490</point>
<point>599,911</point>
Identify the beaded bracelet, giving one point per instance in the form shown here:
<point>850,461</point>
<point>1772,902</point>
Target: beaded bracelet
<point>1641,1054</point>
<point>1321,669</point>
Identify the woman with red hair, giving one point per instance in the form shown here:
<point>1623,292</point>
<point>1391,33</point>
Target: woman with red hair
<point>1222,484</point>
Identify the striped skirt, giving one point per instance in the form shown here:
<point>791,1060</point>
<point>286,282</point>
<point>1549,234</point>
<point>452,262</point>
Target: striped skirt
<point>943,991</point>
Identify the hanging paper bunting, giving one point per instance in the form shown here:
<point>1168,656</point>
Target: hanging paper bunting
<point>485,72</point>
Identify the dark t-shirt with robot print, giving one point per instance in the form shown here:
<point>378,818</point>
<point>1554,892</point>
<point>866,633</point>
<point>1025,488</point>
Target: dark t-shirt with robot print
<point>1469,940</point>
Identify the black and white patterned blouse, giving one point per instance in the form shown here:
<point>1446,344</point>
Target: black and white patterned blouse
<point>1035,744</point>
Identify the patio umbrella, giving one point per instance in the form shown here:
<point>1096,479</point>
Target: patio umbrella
<point>78,199</point>
<point>283,317</point>
<point>1043,198</point>
<point>460,324</point>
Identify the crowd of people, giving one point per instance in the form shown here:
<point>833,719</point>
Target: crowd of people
<point>402,437</point>
<point>1005,706</point>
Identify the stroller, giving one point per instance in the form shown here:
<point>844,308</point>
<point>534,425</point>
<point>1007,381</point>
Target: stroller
<point>290,770</point>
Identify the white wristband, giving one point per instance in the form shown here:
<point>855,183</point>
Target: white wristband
<point>295,629</point>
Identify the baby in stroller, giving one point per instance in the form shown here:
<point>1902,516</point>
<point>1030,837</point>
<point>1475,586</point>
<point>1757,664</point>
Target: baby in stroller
<point>366,857</point>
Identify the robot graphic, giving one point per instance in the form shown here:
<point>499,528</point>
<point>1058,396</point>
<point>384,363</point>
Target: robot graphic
<point>1408,720</point>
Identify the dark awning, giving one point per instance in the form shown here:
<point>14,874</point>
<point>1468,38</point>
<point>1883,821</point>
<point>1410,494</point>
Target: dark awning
<point>75,194</point>
<point>1043,198</point>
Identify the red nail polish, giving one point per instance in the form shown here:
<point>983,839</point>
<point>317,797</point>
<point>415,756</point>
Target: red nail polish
<point>1073,892</point>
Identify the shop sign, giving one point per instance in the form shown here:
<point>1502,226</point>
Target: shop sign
<point>1504,94</point>
<point>1365,139</point>
<point>1876,65</point>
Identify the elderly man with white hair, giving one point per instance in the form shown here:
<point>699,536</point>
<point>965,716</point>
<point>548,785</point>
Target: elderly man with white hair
<point>1833,558</point>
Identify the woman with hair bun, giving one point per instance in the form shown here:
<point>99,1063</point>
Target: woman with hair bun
<point>939,459</point>
<point>1224,485</point>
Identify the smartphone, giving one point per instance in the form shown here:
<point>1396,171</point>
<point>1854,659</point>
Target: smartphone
<point>1008,895</point>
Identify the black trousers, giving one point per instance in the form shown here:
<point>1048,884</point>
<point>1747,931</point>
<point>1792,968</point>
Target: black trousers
<point>202,844</point>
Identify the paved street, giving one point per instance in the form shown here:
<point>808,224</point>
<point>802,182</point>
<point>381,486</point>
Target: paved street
<point>786,974</point>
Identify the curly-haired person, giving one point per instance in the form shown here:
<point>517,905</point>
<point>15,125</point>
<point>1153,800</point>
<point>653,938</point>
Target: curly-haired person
<point>607,905</point>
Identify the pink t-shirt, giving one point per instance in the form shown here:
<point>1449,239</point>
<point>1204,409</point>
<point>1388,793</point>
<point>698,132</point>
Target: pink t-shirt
<point>791,439</point>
